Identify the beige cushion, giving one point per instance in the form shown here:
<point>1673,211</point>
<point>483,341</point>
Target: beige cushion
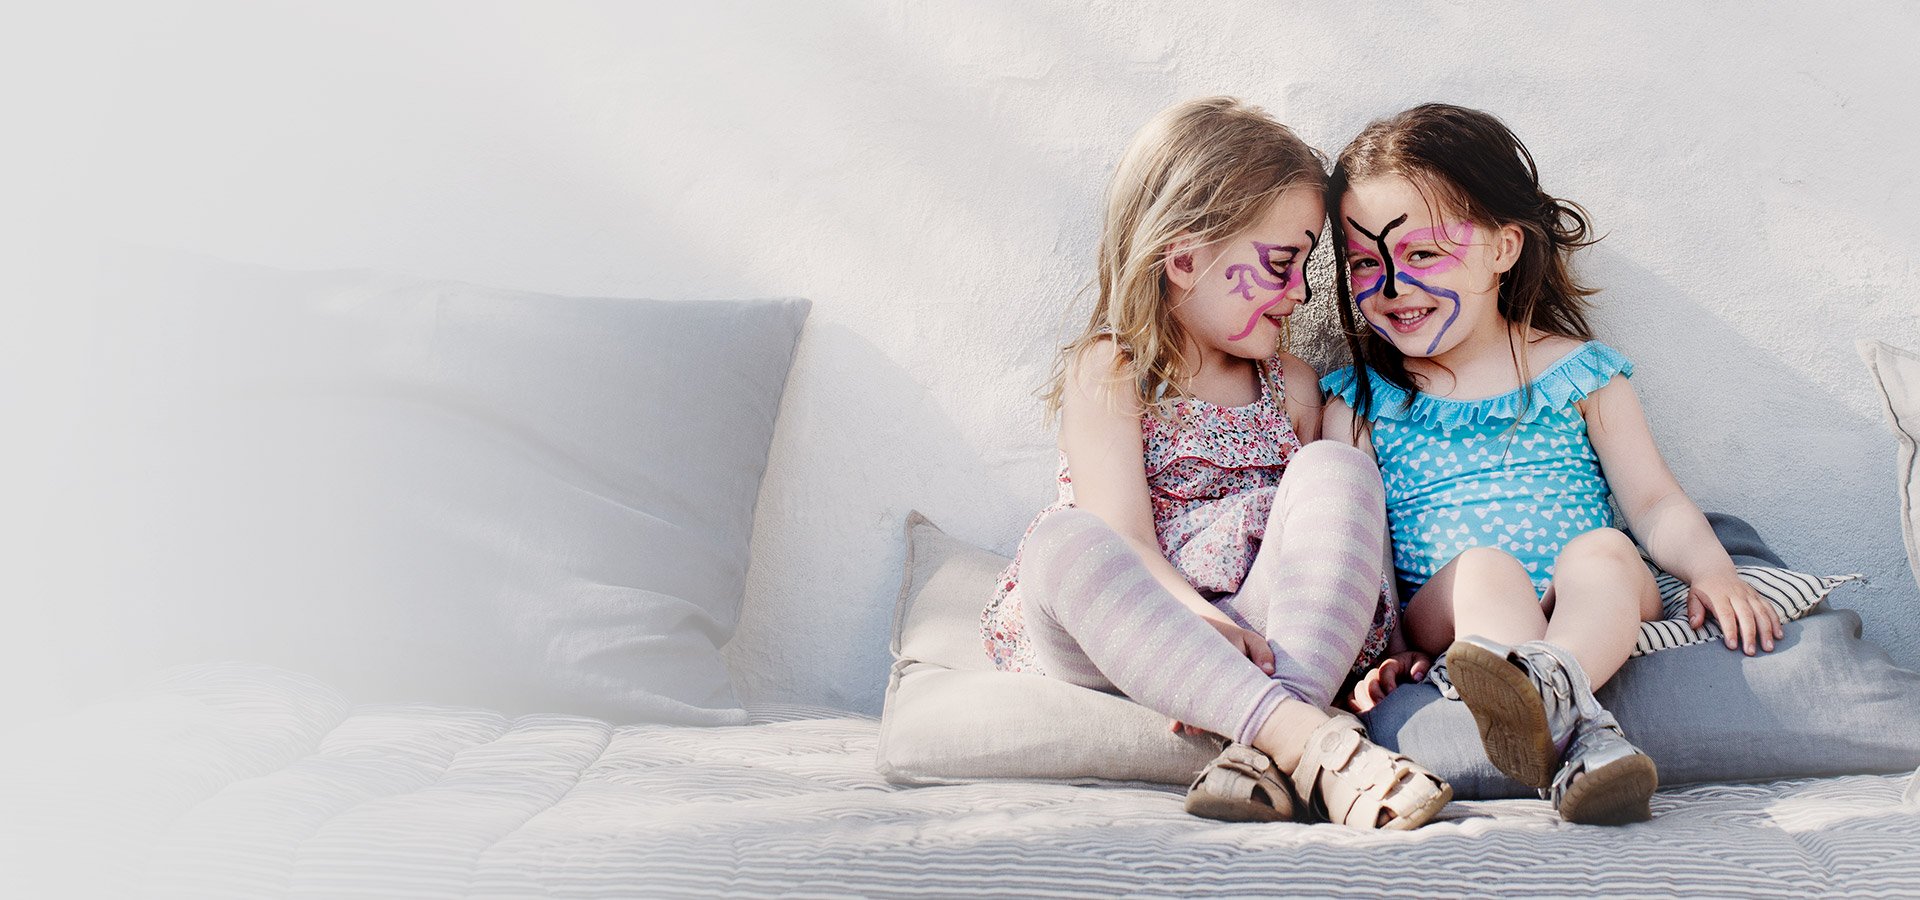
<point>951,718</point>
<point>1897,372</point>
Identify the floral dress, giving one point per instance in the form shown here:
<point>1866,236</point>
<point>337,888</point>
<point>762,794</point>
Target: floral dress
<point>1212,472</point>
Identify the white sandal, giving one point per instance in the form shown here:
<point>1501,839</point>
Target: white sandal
<point>1347,779</point>
<point>1242,785</point>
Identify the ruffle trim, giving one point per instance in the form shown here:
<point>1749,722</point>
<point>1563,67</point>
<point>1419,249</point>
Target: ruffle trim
<point>1564,383</point>
<point>1228,437</point>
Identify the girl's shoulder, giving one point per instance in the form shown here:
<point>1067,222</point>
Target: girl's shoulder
<point>1556,386</point>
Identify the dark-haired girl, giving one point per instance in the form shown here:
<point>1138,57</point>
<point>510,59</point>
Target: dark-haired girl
<point>1505,435</point>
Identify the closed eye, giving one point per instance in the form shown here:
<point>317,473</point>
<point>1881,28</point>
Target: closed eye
<point>1279,261</point>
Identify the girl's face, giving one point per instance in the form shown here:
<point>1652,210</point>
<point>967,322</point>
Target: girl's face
<point>1231,296</point>
<point>1424,278</point>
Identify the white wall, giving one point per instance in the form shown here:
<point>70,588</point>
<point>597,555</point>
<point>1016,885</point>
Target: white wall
<point>929,174</point>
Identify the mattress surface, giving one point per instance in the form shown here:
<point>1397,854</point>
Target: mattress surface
<point>234,780</point>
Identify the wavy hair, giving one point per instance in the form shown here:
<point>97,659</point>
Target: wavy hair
<point>1480,170</point>
<point>1200,171</point>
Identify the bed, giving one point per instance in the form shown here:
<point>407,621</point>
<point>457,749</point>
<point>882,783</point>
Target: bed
<point>457,498</point>
<point>226,780</point>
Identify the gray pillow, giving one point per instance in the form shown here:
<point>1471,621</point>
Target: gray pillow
<point>431,491</point>
<point>1824,702</point>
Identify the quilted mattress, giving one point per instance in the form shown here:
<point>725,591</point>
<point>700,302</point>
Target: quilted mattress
<point>235,780</point>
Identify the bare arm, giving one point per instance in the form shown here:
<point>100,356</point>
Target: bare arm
<point>1100,434</point>
<point>1666,520</point>
<point>1337,424</point>
<point>1303,397</point>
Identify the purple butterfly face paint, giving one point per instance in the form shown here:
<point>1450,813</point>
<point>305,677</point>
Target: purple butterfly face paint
<point>1280,269</point>
<point>1386,265</point>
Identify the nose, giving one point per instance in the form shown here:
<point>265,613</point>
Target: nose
<point>1301,290</point>
<point>1387,289</point>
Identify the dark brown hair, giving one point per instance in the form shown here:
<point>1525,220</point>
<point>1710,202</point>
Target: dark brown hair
<point>1479,169</point>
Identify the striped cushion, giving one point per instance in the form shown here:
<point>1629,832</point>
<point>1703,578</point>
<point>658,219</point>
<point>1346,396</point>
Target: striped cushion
<point>1792,594</point>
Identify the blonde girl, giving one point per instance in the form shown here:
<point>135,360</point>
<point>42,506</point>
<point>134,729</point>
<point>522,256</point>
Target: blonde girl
<point>1178,565</point>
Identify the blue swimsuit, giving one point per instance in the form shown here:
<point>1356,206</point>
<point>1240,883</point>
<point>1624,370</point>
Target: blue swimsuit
<point>1461,474</point>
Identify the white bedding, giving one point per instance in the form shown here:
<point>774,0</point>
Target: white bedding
<point>234,780</point>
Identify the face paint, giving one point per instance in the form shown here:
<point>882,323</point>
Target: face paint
<point>1281,276</point>
<point>1393,265</point>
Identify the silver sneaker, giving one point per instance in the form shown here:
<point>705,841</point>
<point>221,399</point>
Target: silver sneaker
<point>1605,779</point>
<point>1525,701</point>
<point>1541,724</point>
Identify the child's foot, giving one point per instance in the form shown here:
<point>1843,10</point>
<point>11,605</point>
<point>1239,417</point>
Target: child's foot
<point>1242,785</point>
<point>1523,700</point>
<point>1605,780</point>
<point>1348,780</point>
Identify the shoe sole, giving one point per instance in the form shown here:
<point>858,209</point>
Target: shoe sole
<point>1508,711</point>
<point>1222,809</point>
<point>1614,794</point>
<point>1422,814</point>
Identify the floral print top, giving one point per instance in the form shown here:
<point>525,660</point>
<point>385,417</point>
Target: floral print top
<point>1212,472</point>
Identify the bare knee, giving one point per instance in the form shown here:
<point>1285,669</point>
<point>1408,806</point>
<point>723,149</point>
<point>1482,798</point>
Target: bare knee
<point>1601,547</point>
<point>1490,578</point>
<point>1491,562</point>
<point>1604,567</point>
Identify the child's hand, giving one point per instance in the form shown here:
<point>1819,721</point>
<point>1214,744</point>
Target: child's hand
<point>1249,642</point>
<point>1742,615</point>
<point>1401,668</point>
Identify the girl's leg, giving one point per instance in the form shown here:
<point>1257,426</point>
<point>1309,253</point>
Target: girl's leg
<point>1601,593</point>
<point>1533,699</point>
<point>1315,584</point>
<point>1097,618</point>
<point>1483,591</point>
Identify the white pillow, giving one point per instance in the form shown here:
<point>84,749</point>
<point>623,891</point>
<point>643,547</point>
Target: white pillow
<point>430,491</point>
<point>1896,373</point>
<point>951,718</point>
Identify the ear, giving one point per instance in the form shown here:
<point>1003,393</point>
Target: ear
<point>1182,262</point>
<point>1508,241</point>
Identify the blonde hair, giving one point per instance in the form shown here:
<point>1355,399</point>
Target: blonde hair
<point>1200,171</point>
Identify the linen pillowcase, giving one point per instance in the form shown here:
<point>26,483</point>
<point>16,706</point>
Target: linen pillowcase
<point>1896,373</point>
<point>950,718</point>
<point>432,491</point>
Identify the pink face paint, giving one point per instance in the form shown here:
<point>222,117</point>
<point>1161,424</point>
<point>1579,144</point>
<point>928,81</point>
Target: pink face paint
<point>1438,237</point>
<point>1393,268</point>
<point>1278,260</point>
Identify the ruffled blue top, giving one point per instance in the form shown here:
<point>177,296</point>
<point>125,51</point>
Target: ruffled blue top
<point>1516,471</point>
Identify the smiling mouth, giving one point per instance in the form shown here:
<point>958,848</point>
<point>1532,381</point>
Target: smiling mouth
<point>1408,321</point>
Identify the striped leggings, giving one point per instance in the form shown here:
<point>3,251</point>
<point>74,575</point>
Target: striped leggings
<point>1097,618</point>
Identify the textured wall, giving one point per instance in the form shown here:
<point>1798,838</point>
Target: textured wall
<point>928,173</point>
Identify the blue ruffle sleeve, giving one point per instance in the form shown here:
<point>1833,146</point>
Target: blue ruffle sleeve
<point>1568,381</point>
